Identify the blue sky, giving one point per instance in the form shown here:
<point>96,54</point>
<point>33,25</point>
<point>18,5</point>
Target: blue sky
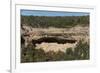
<point>51,13</point>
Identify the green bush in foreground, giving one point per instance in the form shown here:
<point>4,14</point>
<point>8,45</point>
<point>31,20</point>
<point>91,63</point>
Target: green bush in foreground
<point>82,51</point>
<point>30,54</point>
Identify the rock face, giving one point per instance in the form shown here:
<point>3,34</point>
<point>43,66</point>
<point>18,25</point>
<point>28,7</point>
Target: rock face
<point>54,43</point>
<point>55,46</point>
<point>53,39</point>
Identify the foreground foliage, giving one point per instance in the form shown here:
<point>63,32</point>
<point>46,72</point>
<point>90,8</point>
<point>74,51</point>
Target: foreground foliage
<point>30,54</point>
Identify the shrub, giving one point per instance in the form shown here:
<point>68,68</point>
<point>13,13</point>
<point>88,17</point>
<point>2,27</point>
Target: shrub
<point>30,54</point>
<point>82,51</point>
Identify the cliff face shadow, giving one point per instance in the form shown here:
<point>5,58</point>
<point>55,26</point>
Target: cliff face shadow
<point>59,40</point>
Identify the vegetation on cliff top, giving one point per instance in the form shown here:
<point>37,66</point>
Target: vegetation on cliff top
<point>57,21</point>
